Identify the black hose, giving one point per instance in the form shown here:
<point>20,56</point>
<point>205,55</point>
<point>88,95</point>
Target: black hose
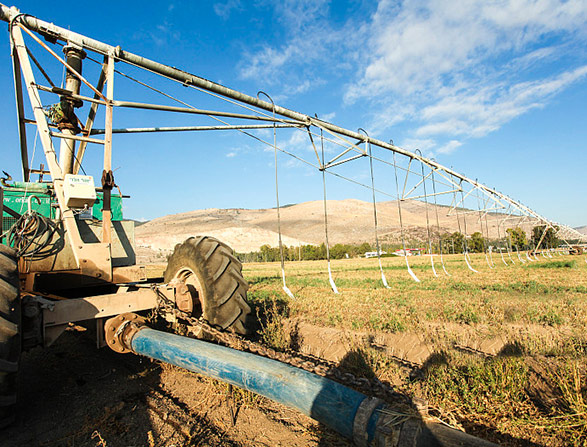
<point>32,235</point>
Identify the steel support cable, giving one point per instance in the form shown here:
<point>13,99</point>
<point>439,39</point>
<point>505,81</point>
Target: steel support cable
<point>285,288</point>
<point>259,112</point>
<point>464,244</point>
<point>500,239</point>
<point>427,217</point>
<point>481,225</point>
<point>401,224</point>
<point>38,65</point>
<point>488,233</point>
<point>249,134</point>
<point>330,279</point>
<point>438,225</point>
<point>383,279</point>
<point>508,240</point>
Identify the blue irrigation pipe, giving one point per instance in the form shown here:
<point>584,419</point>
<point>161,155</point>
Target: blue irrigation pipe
<point>365,420</point>
<point>329,402</point>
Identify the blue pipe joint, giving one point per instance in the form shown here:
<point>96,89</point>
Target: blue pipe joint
<point>348,412</point>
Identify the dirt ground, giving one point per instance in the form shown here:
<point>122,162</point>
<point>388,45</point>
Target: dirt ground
<point>73,394</point>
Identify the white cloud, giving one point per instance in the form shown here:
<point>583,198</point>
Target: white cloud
<point>474,112</point>
<point>422,46</point>
<point>442,69</point>
<point>466,68</point>
<point>328,116</point>
<point>231,154</point>
<point>224,9</point>
<point>449,147</point>
<point>414,143</point>
<point>313,48</point>
<point>297,140</point>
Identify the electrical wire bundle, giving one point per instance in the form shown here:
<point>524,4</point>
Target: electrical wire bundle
<point>32,235</point>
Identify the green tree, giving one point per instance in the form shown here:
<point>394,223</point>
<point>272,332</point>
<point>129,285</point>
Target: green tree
<point>477,243</point>
<point>549,240</point>
<point>517,237</point>
<point>339,251</point>
<point>364,248</point>
<point>452,242</point>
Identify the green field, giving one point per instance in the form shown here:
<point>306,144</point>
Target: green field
<point>501,353</point>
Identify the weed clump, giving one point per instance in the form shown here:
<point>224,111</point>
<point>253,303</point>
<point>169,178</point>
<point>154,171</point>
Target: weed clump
<point>555,265</point>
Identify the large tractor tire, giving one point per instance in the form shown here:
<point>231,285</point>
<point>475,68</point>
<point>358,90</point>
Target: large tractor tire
<point>10,341</point>
<point>209,268</point>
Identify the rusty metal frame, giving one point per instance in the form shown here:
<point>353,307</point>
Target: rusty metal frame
<point>91,259</point>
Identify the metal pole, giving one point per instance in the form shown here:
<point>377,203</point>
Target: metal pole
<point>89,122</point>
<point>20,113</point>
<point>107,175</point>
<point>74,56</point>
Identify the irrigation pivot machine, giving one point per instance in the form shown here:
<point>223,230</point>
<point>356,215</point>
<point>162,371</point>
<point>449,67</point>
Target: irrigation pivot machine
<point>68,256</point>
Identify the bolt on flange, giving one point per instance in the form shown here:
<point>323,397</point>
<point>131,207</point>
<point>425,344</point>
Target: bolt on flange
<point>120,330</point>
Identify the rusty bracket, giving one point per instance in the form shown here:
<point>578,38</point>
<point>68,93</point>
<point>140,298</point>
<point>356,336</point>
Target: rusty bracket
<point>184,300</point>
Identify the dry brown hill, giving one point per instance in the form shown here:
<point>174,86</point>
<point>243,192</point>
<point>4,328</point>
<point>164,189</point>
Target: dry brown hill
<point>349,221</point>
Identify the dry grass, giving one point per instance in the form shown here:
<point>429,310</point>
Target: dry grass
<point>532,390</point>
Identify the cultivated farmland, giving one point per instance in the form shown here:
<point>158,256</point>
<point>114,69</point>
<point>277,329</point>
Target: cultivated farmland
<point>500,353</point>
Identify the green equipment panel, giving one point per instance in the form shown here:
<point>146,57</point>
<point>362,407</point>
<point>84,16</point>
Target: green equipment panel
<point>115,205</point>
<point>16,198</point>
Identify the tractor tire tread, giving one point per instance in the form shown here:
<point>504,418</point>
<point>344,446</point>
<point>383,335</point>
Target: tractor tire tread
<point>10,341</point>
<point>220,276</point>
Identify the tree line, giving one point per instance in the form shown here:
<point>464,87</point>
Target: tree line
<point>541,238</point>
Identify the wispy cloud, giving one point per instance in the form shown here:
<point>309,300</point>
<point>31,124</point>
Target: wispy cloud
<point>475,113</point>
<point>313,48</point>
<point>466,68</point>
<point>446,71</point>
<point>224,9</point>
<point>449,147</point>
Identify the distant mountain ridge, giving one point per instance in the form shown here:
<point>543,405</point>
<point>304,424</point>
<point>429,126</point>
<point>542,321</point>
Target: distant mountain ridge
<point>350,221</point>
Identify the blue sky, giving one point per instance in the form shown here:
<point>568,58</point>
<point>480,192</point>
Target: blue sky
<point>498,90</point>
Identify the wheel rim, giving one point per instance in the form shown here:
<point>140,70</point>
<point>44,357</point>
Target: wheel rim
<point>190,279</point>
